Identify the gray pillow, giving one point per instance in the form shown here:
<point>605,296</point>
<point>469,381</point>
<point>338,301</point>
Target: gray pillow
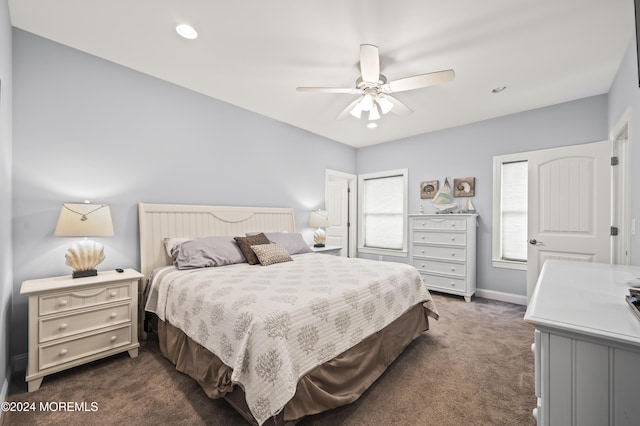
<point>207,252</point>
<point>292,241</point>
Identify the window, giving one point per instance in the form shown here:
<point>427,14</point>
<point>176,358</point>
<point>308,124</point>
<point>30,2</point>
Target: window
<point>383,212</point>
<point>510,180</point>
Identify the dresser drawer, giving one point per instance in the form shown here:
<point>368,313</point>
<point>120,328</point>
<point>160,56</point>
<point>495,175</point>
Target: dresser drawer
<point>446,222</point>
<point>451,253</point>
<point>434,237</point>
<point>424,265</point>
<point>61,326</point>
<point>448,283</point>
<point>70,350</point>
<point>73,299</point>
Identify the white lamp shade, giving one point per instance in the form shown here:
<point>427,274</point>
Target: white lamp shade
<point>319,219</point>
<point>374,114</point>
<point>84,220</point>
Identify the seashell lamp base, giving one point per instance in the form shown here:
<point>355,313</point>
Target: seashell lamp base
<point>83,257</point>
<point>319,237</point>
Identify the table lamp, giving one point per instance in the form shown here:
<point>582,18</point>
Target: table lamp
<point>84,220</point>
<point>319,219</point>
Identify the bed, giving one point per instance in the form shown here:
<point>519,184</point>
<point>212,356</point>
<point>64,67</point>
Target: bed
<point>279,342</point>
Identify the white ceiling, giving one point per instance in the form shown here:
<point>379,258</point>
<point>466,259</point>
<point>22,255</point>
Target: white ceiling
<point>254,54</point>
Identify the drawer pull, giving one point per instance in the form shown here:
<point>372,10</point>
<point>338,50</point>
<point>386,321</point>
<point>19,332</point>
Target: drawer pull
<point>422,251</point>
<point>63,302</point>
<point>63,352</point>
<point>113,315</point>
<point>63,326</point>
<point>113,338</point>
<point>422,237</point>
<point>453,254</point>
<point>113,294</point>
<point>453,238</point>
<point>453,284</point>
<point>453,225</point>
<point>453,269</point>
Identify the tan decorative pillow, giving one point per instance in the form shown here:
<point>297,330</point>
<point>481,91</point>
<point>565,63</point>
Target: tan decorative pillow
<point>268,254</point>
<point>171,243</point>
<point>245,244</point>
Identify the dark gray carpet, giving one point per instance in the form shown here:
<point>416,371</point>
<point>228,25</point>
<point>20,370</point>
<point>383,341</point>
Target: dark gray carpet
<point>474,367</point>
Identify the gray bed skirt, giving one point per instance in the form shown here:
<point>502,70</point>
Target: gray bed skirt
<point>337,382</point>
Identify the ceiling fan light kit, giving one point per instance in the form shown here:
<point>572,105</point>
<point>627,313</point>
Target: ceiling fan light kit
<point>187,31</point>
<point>375,91</point>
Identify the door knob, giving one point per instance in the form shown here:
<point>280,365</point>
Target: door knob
<point>533,242</point>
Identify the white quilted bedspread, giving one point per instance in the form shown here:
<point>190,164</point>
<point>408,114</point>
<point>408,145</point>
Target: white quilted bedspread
<point>273,324</point>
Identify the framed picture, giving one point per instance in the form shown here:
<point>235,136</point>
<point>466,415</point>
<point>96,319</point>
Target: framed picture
<point>464,187</point>
<point>428,189</point>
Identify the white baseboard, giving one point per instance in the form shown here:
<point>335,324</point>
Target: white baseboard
<point>502,297</point>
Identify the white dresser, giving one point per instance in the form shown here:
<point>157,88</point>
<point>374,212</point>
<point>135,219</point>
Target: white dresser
<point>587,345</point>
<point>74,321</point>
<point>443,249</point>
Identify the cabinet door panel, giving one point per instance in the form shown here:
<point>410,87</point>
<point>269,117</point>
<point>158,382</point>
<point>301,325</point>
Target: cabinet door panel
<point>560,359</point>
<point>626,380</point>
<point>592,383</point>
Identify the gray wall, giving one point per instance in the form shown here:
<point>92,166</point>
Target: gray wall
<point>467,151</point>
<point>6,280</point>
<point>85,128</point>
<point>625,93</point>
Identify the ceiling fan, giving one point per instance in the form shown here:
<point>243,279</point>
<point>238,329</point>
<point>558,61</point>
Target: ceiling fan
<point>374,89</point>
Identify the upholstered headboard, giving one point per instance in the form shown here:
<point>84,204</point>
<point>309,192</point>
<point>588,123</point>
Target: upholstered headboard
<point>160,221</point>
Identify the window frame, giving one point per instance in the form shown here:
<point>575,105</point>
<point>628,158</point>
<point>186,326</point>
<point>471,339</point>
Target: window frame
<point>404,173</point>
<point>496,252</point>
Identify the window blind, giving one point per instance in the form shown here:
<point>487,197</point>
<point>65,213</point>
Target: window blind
<point>514,211</point>
<point>383,212</point>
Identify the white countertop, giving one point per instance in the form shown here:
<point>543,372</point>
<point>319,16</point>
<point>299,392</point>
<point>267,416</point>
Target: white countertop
<point>586,298</point>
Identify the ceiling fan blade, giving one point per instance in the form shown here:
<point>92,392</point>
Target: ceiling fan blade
<point>418,81</point>
<point>350,91</point>
<point>345,112</point>
<point>398,107</point>
<point>369,63</point>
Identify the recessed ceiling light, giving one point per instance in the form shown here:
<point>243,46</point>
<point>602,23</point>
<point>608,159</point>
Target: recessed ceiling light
<point>187,31</point>
<point>372,125</point>
<point>499,89</point>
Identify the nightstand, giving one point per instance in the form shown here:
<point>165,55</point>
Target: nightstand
<point>332,250</point>
<point>75,321</point>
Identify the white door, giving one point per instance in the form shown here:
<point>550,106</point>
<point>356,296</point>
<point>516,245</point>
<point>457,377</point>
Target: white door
<point>569,206</point>
<point>339,203</point>
<point>621,188</point>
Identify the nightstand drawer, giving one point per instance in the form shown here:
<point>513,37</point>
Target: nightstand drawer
<point>63,352</point>
<point>451,268</point>
<point>60,302</point>
<point>440,223</point>
<point>452,253</point>
<point>453,238</point>
<point>80,322</point>
<point>450,283</point>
